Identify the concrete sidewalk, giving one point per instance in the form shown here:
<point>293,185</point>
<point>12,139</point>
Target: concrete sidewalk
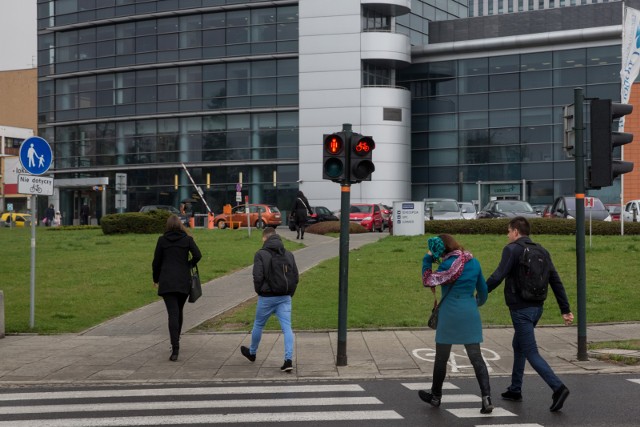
<point>135,347</point>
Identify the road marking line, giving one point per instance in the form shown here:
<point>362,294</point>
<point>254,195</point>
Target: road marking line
<point>427,386</point>
<point>637,381</point>
<point>181,392</point>
<point>475,413</point>
<point>204,404</point>
<point>509,425</point>
<point>208,419</point>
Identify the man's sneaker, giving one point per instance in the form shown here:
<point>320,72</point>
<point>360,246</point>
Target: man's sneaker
<point>246,353</point>
<point>288,366</point>
<point>487,407</point>
<point>559,396</point>
<point>512,395</point>
<point>430,398</point>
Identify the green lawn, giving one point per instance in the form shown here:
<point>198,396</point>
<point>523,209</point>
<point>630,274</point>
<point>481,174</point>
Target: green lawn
<point>85,277</point>
<point>385,288</point>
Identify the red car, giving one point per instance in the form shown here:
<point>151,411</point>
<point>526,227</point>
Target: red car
<point>614,211</point>
<point>368,215</point>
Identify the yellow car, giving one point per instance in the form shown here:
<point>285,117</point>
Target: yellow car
<point>16,219</point>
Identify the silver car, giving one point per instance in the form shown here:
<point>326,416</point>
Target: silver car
<point>441,209</point>
<point>468,210</point>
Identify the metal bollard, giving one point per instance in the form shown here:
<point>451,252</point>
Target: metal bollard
<point>1,314</point>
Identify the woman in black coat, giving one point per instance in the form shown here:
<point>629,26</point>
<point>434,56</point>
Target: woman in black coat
<point>172,274</point>
<point>299,211</point>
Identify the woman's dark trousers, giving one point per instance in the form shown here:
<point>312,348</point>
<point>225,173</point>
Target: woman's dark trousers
<point>475,356</point>
<point>175,304</point>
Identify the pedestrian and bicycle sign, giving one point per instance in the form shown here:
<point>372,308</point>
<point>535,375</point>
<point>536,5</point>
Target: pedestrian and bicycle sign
<point>36,155</point>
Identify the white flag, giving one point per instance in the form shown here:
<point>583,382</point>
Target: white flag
<point>630,55</point>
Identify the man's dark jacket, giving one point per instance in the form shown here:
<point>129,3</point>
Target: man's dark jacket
<point>262,263</point>
<point>171,264</point>
<point>508,268</point>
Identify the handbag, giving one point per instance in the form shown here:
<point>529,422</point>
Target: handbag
<point>433,319</point>
<point>196,287</point>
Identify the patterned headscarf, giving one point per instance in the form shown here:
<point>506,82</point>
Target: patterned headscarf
<point>436,246</point>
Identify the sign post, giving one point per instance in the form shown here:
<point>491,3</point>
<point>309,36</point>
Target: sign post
<point>36,157</point>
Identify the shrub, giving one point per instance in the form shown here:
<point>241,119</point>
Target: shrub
<point>152,222</point>
<point>326,227</point>
<point>538,226</point>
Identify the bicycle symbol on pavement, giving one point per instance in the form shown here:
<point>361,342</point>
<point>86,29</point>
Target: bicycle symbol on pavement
<point>429,355</point>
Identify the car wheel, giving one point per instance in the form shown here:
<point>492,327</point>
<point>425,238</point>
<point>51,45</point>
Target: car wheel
<point>222,224</point>
<point>260,224</point>
<point>381,229</point>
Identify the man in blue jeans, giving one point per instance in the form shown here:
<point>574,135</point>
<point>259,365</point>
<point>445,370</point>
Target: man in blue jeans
<point>273,297</point>
<point>525,315</point>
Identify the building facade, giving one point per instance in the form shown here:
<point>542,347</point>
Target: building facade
<point>240,93</point>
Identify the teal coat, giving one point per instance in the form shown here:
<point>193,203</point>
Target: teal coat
<point>459,318</point>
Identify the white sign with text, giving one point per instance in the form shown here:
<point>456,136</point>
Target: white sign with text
<point>408,218</point>
<point>35,184</point>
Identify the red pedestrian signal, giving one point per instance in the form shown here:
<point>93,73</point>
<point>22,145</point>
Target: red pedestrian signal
<point>334,157</point>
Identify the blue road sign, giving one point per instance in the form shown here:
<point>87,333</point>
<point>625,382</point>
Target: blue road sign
<point>35,155</point>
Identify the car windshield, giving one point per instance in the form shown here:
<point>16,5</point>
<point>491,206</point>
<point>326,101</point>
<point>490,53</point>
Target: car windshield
<point>442,206</point>
<point>513,206</point>
<point>360,208</point>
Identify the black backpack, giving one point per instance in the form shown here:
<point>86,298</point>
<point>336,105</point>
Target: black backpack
<point>533,272</point>
<point>281,276</point>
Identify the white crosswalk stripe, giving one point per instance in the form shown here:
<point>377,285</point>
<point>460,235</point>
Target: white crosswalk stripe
<point>509,425</point>
<point>453,398</point>
<point>190,405</point>
<point>634,380</point>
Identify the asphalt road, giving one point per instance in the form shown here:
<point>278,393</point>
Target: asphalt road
<point>595,400</point>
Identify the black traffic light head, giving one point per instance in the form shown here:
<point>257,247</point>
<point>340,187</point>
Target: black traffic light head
<point>361,158</point>
<point>334,157</point>
<point>604,139</point>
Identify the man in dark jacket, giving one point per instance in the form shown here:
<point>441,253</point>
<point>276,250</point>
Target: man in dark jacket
<point>269,302</point>
<point>525,315</point>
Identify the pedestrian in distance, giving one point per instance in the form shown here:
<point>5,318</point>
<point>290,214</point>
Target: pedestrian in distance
<point>275,278</point>
<point>528,270</point>
<point>463,290</point>
<point>49,215</point>
<point>84,214</point>
<point>57,219</point>
<point>172,274</point>
<point>299,211</point>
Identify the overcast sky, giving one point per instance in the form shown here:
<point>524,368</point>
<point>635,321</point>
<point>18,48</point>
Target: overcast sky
<point>18,34</point>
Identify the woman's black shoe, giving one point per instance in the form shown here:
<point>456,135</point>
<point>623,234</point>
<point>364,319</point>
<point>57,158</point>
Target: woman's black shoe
<point>174,354</point>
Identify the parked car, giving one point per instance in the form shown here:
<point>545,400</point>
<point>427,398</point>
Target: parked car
<point>16,219</point>
<point>540,208</point>
<point>169,208</point>
<point>629,209</point>
<point>368,215</point>
<point>565,207</point>
<point>507,209</point>
<point>321,214</point>
<point>260,216</point>
<point>441,209</point>
<point>614,211</point>
<point>468,210</point>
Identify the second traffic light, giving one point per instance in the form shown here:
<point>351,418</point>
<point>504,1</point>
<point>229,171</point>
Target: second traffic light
<point>361,158</point>
<point>334,157</point>
<point>604,139</point>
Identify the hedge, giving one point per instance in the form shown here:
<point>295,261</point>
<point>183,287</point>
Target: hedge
<point>152,222</point>
<point>538,226</point>
<point>326,227</point>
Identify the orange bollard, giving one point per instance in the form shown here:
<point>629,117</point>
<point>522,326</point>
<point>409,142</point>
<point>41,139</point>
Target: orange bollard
<point>210,221</point>
<point>192,222</point>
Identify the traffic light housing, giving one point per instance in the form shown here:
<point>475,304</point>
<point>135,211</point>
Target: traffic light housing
<point>334,157</point>
<point>604,139</point>
<point>361,158</point>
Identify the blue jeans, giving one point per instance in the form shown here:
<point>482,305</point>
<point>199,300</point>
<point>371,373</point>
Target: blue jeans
<point>267,306</point>
<point>525,348</point>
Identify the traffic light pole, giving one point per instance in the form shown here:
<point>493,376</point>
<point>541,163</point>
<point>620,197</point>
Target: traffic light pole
<point>578,102</point>
<point>345,206</point>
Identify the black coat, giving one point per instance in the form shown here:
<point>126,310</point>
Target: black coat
<point>300,208</point>
<point>171,264</point>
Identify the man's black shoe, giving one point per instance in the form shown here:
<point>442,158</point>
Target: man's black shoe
<point>288,366</point>
<point>512,395</point>
<point>559,396</point>
<point>245,352</point>
<point>430,398</point>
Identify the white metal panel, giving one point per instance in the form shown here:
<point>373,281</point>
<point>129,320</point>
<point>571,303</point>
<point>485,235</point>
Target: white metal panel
<point>315,8</point>
<point>329,80</point>
<point>329,62</point>
<point>322,25</point>
<point>329,44</point>
<point>386,46</point>
<point>330,98</point>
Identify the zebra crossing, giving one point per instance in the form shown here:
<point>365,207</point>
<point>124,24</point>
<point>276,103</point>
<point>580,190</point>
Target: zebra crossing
<point>191,405</point>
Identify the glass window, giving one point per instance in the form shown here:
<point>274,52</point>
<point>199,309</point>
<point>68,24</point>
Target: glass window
<point>442,122</point>
<point>603,74</point>
<point>475,137</point>
<point>504,82</point>
<point>535,98</point>
<point>504,64</point>
<point>440,139</point>
<point>537,152</point>
<point>471,67</point>
<point>536,61</point>
<point>569,58</point>
<point>604,55</point>
<point>473,84</point>
<point>536,79</point>
<point>443,174</point>
<point>442,105</point>
<point>569,77</point>
<point>531,171</point>
<point>537,116</point>
<point>537,134</point>
<point>473,102</point>
<point>501,100</point>
<point>504,136</point>
<point>443,157</point>
<point>477,119</point>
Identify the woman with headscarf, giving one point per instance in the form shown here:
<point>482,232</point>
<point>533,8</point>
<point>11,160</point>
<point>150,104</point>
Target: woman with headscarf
<point>463,290</point>
<point>299,211</point>
<point>172,274</point>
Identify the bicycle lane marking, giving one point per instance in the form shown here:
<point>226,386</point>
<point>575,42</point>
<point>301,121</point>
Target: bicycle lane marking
<point>429,355</point>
